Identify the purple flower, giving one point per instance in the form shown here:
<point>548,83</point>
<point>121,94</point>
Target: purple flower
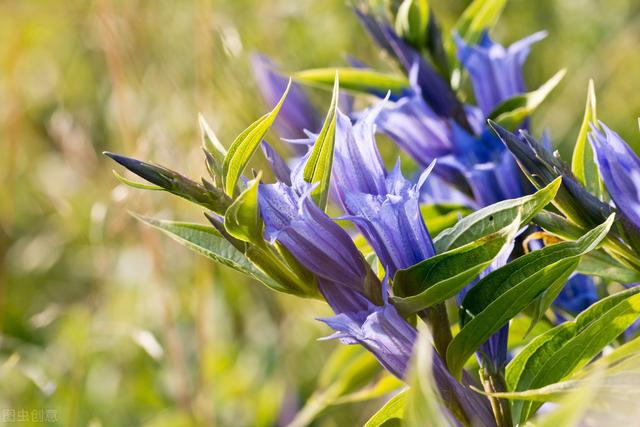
<point>384,207</point>
<point>392,222</point>
<point>382,331</point>
<point>495,71</point>
<point>415,127</point>
<point>620,170</point>
<point>313,238</point>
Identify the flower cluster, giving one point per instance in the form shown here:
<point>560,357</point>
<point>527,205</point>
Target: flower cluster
<point>384,248</point>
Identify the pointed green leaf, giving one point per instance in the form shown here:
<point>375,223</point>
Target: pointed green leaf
<point>391,412</point>
<point>583,164</point>
<point>503,293</point>
<point>246,144</point>
<point>480,15</point>
<point>570,346</point>
<point>137,185</point>
<point>495,217</point>
<point>318,166</point>
<point>242,219</point>
<point>208,242</point>
<point>599,263</point>
<point>511,113</point>
<point>438,278</point>
<point>354,79</point>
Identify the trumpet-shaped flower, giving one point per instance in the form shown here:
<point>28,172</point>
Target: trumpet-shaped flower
<point>384,206</point>
<point>495,71</point>
<point>620,171</point>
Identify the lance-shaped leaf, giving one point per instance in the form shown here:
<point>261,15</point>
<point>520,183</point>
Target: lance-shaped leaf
<point>318,166</point>
<point>570,346</point>
<point>246,144</point>
<point>505,292</point>
<point>436,279</point>
<point>208,242</point>
<point>412,21</point>
<point>173,182</point>
<point>214,151</point>
<point>495,217</point>
<point>477,17</point>
<point>583,163</point>
<point>242,218</point>
<point>355,79</point>
<point>512,112</point>
<point>391,413</point>
<point>599,263</point>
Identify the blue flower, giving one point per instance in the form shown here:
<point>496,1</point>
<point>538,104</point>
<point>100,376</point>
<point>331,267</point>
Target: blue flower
<point>382,331</point>
<point>385,207</point>
<point>577,295</point>
<point>495,71</point>
<point>620,171</point>
<point>415,127</point>
<point>313,238</point>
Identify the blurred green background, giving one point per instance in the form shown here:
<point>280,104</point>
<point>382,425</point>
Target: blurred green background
<point>104,322</point>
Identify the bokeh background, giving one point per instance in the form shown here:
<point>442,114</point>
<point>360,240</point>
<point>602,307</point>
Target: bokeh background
<point>105,322</point>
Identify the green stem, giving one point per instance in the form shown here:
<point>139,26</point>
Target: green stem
<point>438,321</point>
<point>494,383</point>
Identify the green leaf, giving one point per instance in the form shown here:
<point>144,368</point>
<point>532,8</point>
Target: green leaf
<point>495,217</point>
<point>412,21</point>
<point>503,293</point>
<point>214,151</point>
<point>513,111</point>
<point>558,225</point>
<point>137,185</point>
<point>391,413</point>
<point>570,346</point>
<point>599,263</point>
<point>438,278</point>
<point>208,242</point>
<point>355,79</point>
<point>318,166</point>
<point>246,144</point>
<point>583,164</point>
<point>242,219</point>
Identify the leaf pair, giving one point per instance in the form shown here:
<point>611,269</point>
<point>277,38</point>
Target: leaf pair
<point>502,294</point>
<point>564,349</point>
<point>465,250</point>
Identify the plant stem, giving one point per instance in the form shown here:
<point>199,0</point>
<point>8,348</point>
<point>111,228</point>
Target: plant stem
<point>438,321</point>
<point>494,383</point>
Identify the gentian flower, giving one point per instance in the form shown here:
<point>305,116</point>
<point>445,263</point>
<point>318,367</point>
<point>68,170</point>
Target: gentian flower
<point>495,71</point>
<point>384,206</point>
<point>620,171</point>
<point>382,331</point>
